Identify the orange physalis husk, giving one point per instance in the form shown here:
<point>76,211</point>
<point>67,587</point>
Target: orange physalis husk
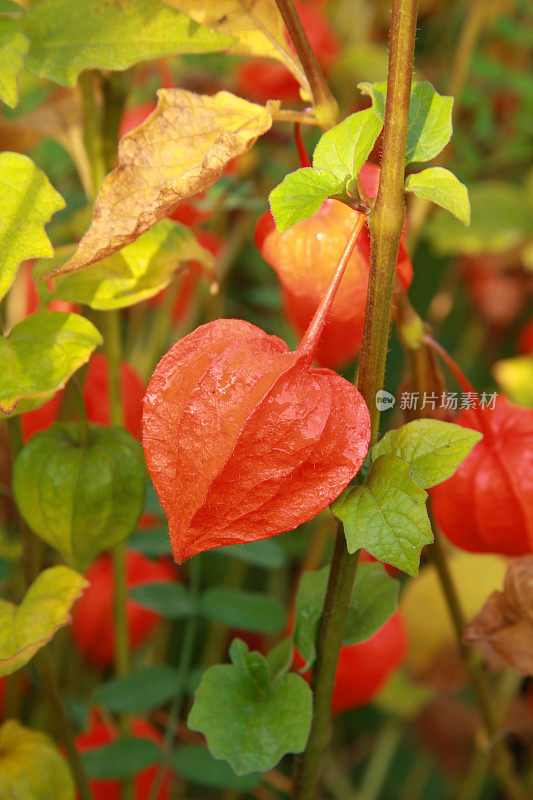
<point>304,257</point>
<point>244,439</point>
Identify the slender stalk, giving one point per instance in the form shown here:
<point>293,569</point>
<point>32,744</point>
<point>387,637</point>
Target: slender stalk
<point>386,223</point>
<point>324,104</point>
<point>43,660</point>
<point>115,89</point>
<point>184,667</point>
<point>380,760</point>
<point>303,155</point>
<point>92,119</point>
<point>310,340</point>
<point>82,413</point>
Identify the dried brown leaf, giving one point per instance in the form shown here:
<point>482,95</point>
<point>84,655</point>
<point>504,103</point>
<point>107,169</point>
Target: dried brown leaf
<point>258,24</point>
<point>505,623</point>
<point>180,150</point>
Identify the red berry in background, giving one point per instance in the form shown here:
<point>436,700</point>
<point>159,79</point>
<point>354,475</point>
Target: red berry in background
<point>500,292</point>
<point>32,295</point>
<point>261,79</point>
<point>96,394</point>
<point>525,339</point>
<point>304,257</point>
<point>364,668</point>
<point>100,734</point>
<point>487,505</point>
<point>243,439</point>
<point>92,618</point>
<point>133,117</point>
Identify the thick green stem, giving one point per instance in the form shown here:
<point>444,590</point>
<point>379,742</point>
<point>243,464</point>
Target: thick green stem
<point>184,668</point>
<point>324,104</point>
<point>115,90</point>
<point>386,226</point>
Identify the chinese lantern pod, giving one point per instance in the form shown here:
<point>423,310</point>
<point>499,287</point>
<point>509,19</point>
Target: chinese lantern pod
<point>487,505</point>
<point>244,440</point>
<point>304,257</point>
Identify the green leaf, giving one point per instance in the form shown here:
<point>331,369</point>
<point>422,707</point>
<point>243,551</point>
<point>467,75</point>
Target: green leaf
<point>500,221</point>
<point>429,128</point>
<point>247,723</point>
<point>433,449</point>
<point>266,553</point>
<point>24,629</point>
<point>197,765</point>
<point>388,516</point>
<point>39,356</point>
<point>171,600</point>
<point>152,542</point>
<point>13,47</point>
<point>31,767</point>
<point>248,611</point>
<point>138,271</point>
<point>27,201</point>
<point>115,36</point>
<point>343,150</point>
<point>374,599</point>
<point>279,660</point>
<point>121,759</point>
<point>443,188</point>
<point>140,692</point>
<point>300,195</point>
<point>80,498</point>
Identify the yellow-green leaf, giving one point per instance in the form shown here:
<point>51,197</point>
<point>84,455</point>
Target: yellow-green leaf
<point>27,201</point>
<point>31,767</point>
<point>443,188</point>
<point>24,629</point>
<point>39,356</point>
<point>257,24</point>
<point>13,47</point>
<point>179,151</point>
<point>138,271</point>
<point>68,37</point>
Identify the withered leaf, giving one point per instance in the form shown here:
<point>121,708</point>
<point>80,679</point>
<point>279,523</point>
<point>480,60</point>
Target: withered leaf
<point>258,24</point>
<point>180,150</point>
<point>505,623</point>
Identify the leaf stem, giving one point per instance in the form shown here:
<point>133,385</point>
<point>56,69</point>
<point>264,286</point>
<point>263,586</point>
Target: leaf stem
<point>312,335</point>
<point>324,104</point>
<point>81,413</point>
<point>92,130</point>
<point>386,223</point>
<point>380,760</point>
<point>184,668</point>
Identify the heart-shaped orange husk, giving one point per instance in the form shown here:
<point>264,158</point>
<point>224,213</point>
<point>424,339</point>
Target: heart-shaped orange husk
<point>244,439</point>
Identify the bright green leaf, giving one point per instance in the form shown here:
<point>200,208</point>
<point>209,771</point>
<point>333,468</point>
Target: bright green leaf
<point>80,498</point>
<point>138,271</point>
<point>500,221</point>
<point>39,356</point>
<point>429,127</point>
<point>250,726</point>
<point>121,759</point>
<point>343,150</point>
<point>443,188</point>
<point>248,611</point>
<point>171,600</point>
<point>388,516</point>
<point>139,692</point>
<point>300,195</point>
<point>27,201</point>
<point>67,38</point>
<point>24,629</point>
<point>433,449</point>
<point>13,47</point>
<point>31,767</point>
<point>374,600</point>
<point>197,765</point>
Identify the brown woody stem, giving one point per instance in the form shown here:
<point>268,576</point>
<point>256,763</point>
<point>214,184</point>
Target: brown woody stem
<point>386,222</point>
<point>324,104</point>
